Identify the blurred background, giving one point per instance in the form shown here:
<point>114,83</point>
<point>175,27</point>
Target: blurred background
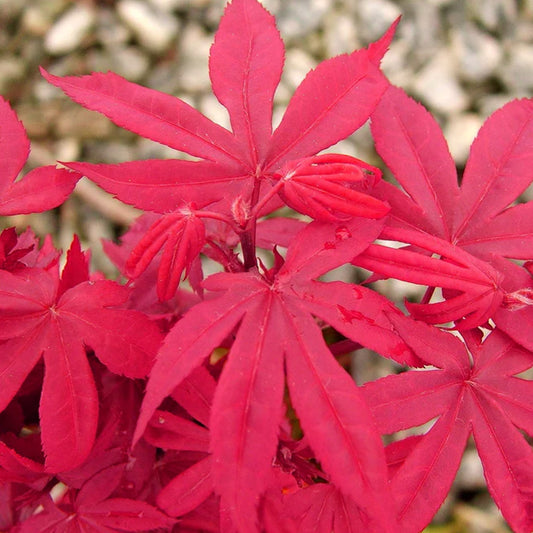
<point>461,59</point>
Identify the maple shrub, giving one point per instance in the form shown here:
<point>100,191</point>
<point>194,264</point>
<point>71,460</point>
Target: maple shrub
<point>226,403</point>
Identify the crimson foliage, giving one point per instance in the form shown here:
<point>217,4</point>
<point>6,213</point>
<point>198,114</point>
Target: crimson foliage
<point>221,404</point>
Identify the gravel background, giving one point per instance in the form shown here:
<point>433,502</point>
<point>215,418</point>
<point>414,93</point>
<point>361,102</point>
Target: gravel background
<point>462,59</point>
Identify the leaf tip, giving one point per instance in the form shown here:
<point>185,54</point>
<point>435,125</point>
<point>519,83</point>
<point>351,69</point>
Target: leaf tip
<point>378,49</point>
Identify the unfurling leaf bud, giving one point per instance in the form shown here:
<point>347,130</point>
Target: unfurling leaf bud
<point>332,187</point>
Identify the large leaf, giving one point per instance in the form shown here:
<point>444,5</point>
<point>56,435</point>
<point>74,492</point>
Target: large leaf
<point>332,102</point>
<point>150,113</point>
<point>336,419</point>
<point>58,318</point>
<point>410,141</point>
<point>475,391</point>
<point>247,39</point>
<point>247,410</point>
<point>42,188</point>
<point>499,168</point>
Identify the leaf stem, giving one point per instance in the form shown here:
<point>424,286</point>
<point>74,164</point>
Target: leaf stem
<point>217,216</point>
<point>247,236</point>
<point>268,196</point>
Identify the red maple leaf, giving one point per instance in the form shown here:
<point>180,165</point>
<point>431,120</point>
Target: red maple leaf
<point>477,216</point>
<point>45,315</point>
<point>271,316</point>
<point>473,390</point>
<point>93,509</point>
<point>42,188</point>
<point>241,171</point>
<point>170,431</point>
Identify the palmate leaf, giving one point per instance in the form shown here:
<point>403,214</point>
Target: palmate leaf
<point>272,324</point>
<point>497,172</point>
<point>237,168</point>
<point>477,216</point>
<point>483,398</point>
<point>93,509</point>
<point>42,314</point>
<point>247,39</point>
<point>194,485</point>
<point>42,188</point>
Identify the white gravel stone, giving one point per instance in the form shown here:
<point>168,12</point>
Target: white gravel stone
<point>296,18</point>
<point>297,64</point>
<point>69,30</point>
<point>170,5</point>
<point>11,70</point>
<point>129,62</point>
<point>211,107</point>
<point>110,31</point>
<point>396,64</point>
<point>193,55</point>
<point>36,21</point>
<point>375,16</point>
<point>493,14</point>
<point>492,102</point>
<point>517,70</point>
<point>437,85</point>
<point>153,28</point>
<point>460,131</point>
<point>470,473</point>
<point>477,53</point>
<point>340,35</point>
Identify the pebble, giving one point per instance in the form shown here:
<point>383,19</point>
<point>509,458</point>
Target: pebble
<point>193,56</point>
<point>488,104</point>
<point>36,21</point>
<point>83,124</point>
<point>297,64</point>
<point>69,31</point>
<point>437,85</point>
<point>11,70</point>
<point>517,69</point>
<point>495,15</point>
<point>340,34</point>
<point>111,151</point>
<point>395,63</point>
<point>110,31</point>
<point>470,473</point>
<point>375,16</point>
<point>153,28</point>
<point>478,54</point>
<point>127,61</point>
<point>460,131</point>
<point>173,5</point>
<point>211,107</point>
<point>296,18</point>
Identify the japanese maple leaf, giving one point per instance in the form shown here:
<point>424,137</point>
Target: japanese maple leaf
<point>170,431</point>
<point>94,509</point>
<point>45,315</point>
<point>273,318</point>
<point>300,499</point>
<point>322,507</point>
<point>473,390</point>
<point>237,169</point>
<point>15,468</point>
<point>42,188</point>
<point>10,253</point>
<point>476,216</point>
